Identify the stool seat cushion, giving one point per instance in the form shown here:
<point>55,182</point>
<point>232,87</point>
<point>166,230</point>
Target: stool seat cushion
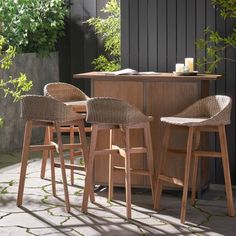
<point>191,121</point>
<point>78,106</point>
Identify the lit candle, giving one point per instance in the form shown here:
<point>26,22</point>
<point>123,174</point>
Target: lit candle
<point>189,64</point>
<point>179,67</point>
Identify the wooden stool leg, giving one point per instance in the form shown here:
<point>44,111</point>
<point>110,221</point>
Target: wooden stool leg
<point>72,157</point>
<point>194,181</point>
<point>127,173</point>
<point>110,184</point>
<point>158,190</point>
<point>89,168</point>
<point>45,152</point>
<point>85,150</point>
<point>150,163</point>
<point>24,160</point>
<point>51,153</point>
<point>225,162</point>
<point>195,169</point>
<point>63,169</point>
<point>186,174</point>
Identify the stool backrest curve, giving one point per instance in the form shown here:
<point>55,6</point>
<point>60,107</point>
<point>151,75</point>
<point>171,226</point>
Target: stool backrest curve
<point>41,108</point>
<point>112,111</point>
<point>64,92</point>
<point>217,108</point>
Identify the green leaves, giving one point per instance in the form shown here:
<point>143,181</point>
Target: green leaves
<point>215,44</point>
<point>32,25</point>
<point>103,64</point>
<point>227,8</point>
<point>109,29</point>
<point>13,87</point>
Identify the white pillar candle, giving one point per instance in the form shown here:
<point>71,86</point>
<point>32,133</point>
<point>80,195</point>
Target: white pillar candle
<point>179,67</point>
<point>189,64</point>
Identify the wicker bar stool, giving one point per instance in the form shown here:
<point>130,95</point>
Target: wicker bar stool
<point>210,114</point>
<point>112,114</point>
<point>40,111</point>
<point>74,98</point>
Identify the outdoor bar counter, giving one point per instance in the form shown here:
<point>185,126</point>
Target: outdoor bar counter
<point>161,94</point>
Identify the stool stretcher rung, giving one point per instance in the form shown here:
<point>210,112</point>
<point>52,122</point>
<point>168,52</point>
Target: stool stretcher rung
<point>134,150</point>
<point>171,180</point>
<point>176,151</point>
<point>70,166</point>
<point>75,129</point>
<point>78,153</point>
<point>106,151</point>
<point>68,146</point>
<point>207,154</point>
<point>35,148</point>
<point>133,171</point>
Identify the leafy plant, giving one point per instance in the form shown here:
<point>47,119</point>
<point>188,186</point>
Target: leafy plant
<point>109,29</point>
<point>214,43</point>
<point>32,25</point>
<point>13,87</point>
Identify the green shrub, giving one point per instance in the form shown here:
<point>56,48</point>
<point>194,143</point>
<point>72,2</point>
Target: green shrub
<point>215,44</point>
<point>109,29</point>
<point>13,87</point>
<point>32,25</point>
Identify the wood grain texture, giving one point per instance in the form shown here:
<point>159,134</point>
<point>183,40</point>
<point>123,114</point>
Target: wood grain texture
<point>133,93</point>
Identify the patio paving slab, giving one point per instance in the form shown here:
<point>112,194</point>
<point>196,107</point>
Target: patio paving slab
<point>43,214</point>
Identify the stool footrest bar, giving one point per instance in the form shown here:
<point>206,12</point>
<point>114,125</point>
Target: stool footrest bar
<point>171,180</point>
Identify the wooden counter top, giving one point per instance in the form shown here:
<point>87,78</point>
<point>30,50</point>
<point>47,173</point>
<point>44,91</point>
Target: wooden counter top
<point>159,77</point>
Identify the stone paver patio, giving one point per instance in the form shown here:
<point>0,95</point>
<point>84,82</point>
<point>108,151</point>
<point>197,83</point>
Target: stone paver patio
<point>42,214</point>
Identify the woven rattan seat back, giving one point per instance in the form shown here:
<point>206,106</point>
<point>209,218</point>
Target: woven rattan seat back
<point>36,107</point>
<point>112,111</point>
<point>64,92</point>
<point>216,108</point>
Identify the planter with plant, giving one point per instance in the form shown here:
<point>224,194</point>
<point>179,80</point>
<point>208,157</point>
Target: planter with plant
<point>32,27</point>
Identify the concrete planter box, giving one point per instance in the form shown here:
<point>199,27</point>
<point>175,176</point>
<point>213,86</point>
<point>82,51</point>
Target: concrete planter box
<point>41,71</point>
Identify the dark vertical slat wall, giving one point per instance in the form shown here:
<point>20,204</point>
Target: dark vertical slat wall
<point>80,45</point>
<point>151,34</point>
<point>171,33</point>
<point>156,34</point>
<point>143,36</point>
<point>134,33</point>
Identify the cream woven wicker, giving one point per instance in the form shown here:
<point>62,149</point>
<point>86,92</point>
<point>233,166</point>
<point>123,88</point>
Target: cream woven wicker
<point>40,108</point>
<point>112,111</point>
<point>212,110</point>
<point>64,92</point>
<point>67,93</point>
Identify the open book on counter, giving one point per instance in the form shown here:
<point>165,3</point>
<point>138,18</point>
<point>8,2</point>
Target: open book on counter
<point>129,71</point>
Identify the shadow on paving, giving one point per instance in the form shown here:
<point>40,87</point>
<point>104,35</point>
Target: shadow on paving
<point>43,214</point>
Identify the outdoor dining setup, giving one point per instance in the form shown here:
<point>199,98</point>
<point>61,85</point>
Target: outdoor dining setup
<point>146,130</point>
<point>117,117</point>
